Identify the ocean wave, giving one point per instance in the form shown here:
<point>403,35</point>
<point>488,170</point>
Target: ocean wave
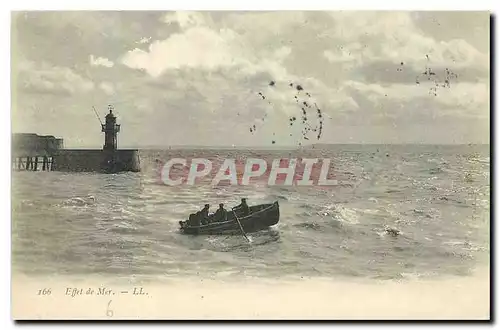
<point>309,225</point>
<point>80,201</point>
<point>329,232</point>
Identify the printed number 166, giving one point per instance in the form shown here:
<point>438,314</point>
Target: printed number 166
<point>44,292</point>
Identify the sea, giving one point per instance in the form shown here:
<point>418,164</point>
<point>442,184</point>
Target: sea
<point>127,224</point>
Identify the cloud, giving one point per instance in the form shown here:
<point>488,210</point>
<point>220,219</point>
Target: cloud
<point>185,19</point>
<point>144,40</point>
<point>227,61</point>
<point>107,88</point>
<point>202,44</point>
<point>394,38</point>
<point>44,78</point>
<point>203,70</point>
<point>53,36</point>
<point>198,47</point>
<point>477,92</point>
<point>265,24</point>
<point>403,102</point>
<point>101,61</point>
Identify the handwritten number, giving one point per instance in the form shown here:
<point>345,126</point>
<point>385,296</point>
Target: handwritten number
<point>109,312</point>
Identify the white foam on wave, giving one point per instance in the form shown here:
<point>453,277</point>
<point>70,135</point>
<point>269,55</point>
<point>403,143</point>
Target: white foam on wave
<point>80,201</point>
<point>348,215</point>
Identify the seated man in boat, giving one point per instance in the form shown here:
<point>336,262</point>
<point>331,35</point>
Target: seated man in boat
<point>221,214</point>
<point>244,207</point>
<point>194,219</point>
<point>203,216</point>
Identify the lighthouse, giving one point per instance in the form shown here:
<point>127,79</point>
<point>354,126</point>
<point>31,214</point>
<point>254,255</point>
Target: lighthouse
<point>110,129</point>
<point>109,159</point>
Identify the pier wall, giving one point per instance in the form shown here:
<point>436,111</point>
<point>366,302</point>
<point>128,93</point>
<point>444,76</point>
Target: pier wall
<point>96,160</point>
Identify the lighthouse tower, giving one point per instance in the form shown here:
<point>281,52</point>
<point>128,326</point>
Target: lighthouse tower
<point>110,129</point>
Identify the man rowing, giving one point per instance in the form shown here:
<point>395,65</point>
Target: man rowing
<point>244,207</point>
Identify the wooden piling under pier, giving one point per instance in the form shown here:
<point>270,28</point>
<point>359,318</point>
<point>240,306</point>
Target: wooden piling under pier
<point>30,163</point>
<point>81,160</point>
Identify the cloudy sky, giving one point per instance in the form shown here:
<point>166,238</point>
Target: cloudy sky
<point>193,78</point>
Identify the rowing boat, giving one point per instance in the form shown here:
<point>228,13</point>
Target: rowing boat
<point>260,217</point>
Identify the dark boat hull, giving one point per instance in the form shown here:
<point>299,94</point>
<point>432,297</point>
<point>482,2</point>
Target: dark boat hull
<point>261,217</point>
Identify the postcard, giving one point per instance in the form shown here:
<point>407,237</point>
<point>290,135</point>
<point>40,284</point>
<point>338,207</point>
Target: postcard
<point>250,165</point>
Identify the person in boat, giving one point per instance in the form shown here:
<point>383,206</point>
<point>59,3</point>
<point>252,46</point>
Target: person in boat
<point>203,215</point>
<point>194,219</point>
<point>243,207</point>
<point>221,214</point>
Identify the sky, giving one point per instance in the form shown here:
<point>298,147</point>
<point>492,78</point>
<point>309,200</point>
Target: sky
<point>194,78</point>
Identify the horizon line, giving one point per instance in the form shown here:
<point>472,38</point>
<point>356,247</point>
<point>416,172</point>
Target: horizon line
<point>278,147</point>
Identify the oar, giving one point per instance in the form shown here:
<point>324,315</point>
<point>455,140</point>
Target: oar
<point>239,224</point>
